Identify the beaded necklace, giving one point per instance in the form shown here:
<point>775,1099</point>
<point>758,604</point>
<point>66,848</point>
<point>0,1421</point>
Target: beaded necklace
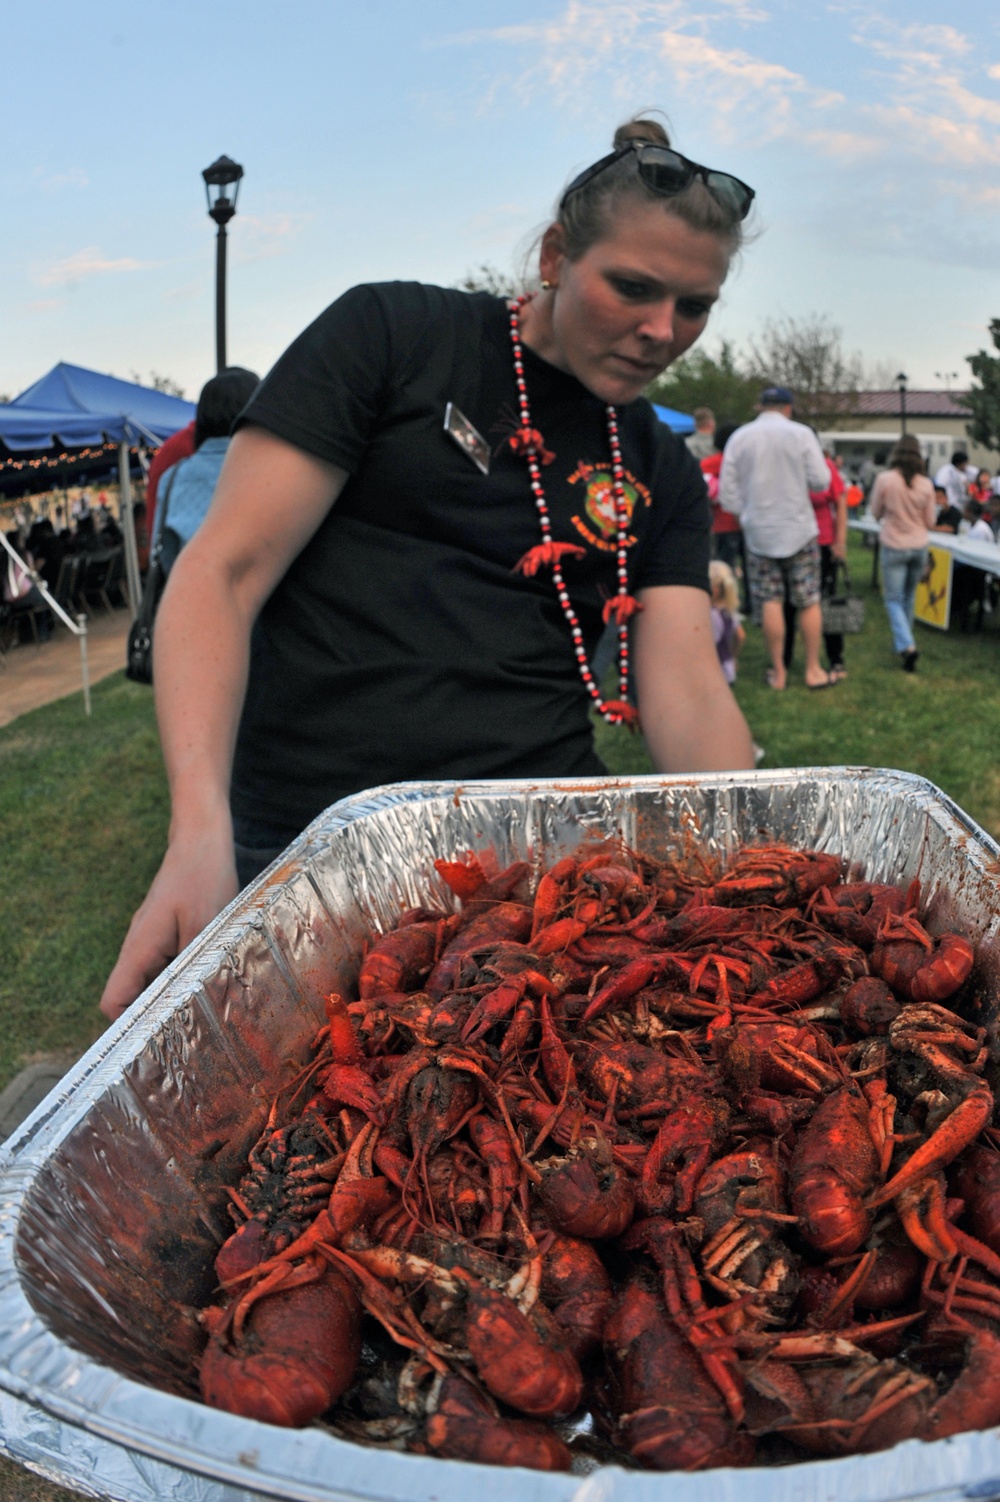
<point>528,442</point>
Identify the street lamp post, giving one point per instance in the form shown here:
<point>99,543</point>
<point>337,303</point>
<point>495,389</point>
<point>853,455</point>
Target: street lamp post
<point>901,383</point>
<point>223,175</point>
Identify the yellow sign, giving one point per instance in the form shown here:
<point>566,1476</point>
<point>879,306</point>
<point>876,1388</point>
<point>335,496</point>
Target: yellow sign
<point>933,603</point>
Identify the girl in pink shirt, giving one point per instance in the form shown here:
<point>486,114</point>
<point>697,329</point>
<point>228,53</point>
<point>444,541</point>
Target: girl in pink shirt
<point>903,497</point>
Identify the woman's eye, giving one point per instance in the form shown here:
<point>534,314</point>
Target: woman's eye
<point>634,291</point>
<point>690,307</point>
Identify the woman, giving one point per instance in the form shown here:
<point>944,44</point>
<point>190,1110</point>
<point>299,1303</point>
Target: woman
<point>830,508</point>
<point>428,504</point>
<point>903,497</point>
<point>982,487</point>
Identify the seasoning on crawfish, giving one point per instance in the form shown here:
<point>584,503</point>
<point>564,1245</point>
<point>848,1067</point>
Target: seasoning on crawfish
<point>654,1137</point>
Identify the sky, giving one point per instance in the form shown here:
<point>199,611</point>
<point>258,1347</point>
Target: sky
<point>417,139</point>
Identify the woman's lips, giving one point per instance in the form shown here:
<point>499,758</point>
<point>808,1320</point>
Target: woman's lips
<point>641,367</point>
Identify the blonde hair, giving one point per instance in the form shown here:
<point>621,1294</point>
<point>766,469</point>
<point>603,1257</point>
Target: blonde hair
<point>588,215</point>
<point>723,581</point>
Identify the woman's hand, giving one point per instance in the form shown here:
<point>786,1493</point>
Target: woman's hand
<point>690,720</point>
<point>196,880</point>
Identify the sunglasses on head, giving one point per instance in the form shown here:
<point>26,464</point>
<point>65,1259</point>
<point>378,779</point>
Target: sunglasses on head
<point>668,173</point>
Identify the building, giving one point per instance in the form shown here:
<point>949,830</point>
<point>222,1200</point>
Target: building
<point>873,421</point>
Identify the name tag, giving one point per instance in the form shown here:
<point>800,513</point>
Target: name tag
<point>469,439</point>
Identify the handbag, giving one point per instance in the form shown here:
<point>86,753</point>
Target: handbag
<point>843,613</point>
<point>19,583</point>
<point>139,651</point>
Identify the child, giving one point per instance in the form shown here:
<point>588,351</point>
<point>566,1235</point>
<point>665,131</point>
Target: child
<point>729,634</point>
<point>979,528</point>
<point>948,516</point>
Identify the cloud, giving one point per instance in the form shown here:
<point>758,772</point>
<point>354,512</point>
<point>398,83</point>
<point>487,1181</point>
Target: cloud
<point>736,82</point>
<point>844,146</point>
<point>930,105</point>
<point>45,305</point>
<point>53,182</point>
<point>85,263</point>
<point>624,48</point>
<point>912,127</point>
<point>258,237</point>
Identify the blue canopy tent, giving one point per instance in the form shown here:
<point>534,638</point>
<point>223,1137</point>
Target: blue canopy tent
<point>75,408</point>
<point>72,389</point>
<point>677,422</point>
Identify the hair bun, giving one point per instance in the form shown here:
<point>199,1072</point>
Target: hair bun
<point>640,130</point>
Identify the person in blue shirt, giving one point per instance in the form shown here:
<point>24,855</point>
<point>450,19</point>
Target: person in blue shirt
<point>187,488</point>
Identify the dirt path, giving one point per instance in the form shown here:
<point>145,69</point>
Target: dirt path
<point>31,676</point>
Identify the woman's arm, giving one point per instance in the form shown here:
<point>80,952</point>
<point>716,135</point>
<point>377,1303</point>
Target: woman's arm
<point>840,526</point>
<point>690,719</point>
<point>270,499</point>
<point>930,512</point>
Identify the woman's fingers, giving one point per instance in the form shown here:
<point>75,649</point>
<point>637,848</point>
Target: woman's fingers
<point>141,960</point>
<point>191,887</point>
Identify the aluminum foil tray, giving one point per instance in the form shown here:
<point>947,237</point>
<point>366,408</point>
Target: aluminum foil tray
<point>111,1203</point>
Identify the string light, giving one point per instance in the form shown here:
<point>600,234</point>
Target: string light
<point>60,461</point>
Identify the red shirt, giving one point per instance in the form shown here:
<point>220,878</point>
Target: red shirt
<point>824,506</point>
<point>179,445</point>
<point>722,520</point>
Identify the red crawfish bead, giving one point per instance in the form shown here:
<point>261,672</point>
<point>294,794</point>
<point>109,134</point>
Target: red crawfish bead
<point>621,520</point>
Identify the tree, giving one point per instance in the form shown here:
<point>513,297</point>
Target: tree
<point>699,379</point>
<point>158,382</point>
<point>983,397</point>
<point>806,355</point>
<point>487,278</point>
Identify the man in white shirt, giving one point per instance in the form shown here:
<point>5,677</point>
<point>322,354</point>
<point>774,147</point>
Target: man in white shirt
<point>952,479</point>
<point>768,470</point>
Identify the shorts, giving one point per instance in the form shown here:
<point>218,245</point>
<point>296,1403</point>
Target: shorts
<point>795,579</point>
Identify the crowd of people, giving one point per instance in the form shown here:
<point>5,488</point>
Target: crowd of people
<point>780,506</point>
<point>77,523</point>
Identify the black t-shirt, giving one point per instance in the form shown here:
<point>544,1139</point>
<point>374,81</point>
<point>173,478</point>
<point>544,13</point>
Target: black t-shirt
<point>401,644</point>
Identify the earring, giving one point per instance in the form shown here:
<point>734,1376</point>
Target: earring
<point>546,285</point>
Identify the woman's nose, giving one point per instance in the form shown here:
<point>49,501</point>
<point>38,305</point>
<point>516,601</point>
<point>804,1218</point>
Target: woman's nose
<point>658,324</point>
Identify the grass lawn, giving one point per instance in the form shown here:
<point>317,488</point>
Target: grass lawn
<point>943,721</point>
<point>83,807</point>
<point>83,818</point>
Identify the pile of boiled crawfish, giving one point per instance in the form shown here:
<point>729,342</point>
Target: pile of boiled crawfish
<point>646,1162</point>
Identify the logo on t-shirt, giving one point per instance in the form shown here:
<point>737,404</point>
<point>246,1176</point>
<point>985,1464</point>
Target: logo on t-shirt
<point>599,525</point>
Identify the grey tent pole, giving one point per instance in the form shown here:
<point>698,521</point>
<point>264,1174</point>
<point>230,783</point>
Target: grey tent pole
<point>128,530</point>
<point>78,627</point>
<point>81,621</point>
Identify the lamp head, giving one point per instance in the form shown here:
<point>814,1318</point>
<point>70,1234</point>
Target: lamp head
<point>222,186</point>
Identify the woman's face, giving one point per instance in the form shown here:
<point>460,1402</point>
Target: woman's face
<point>631,304</point>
